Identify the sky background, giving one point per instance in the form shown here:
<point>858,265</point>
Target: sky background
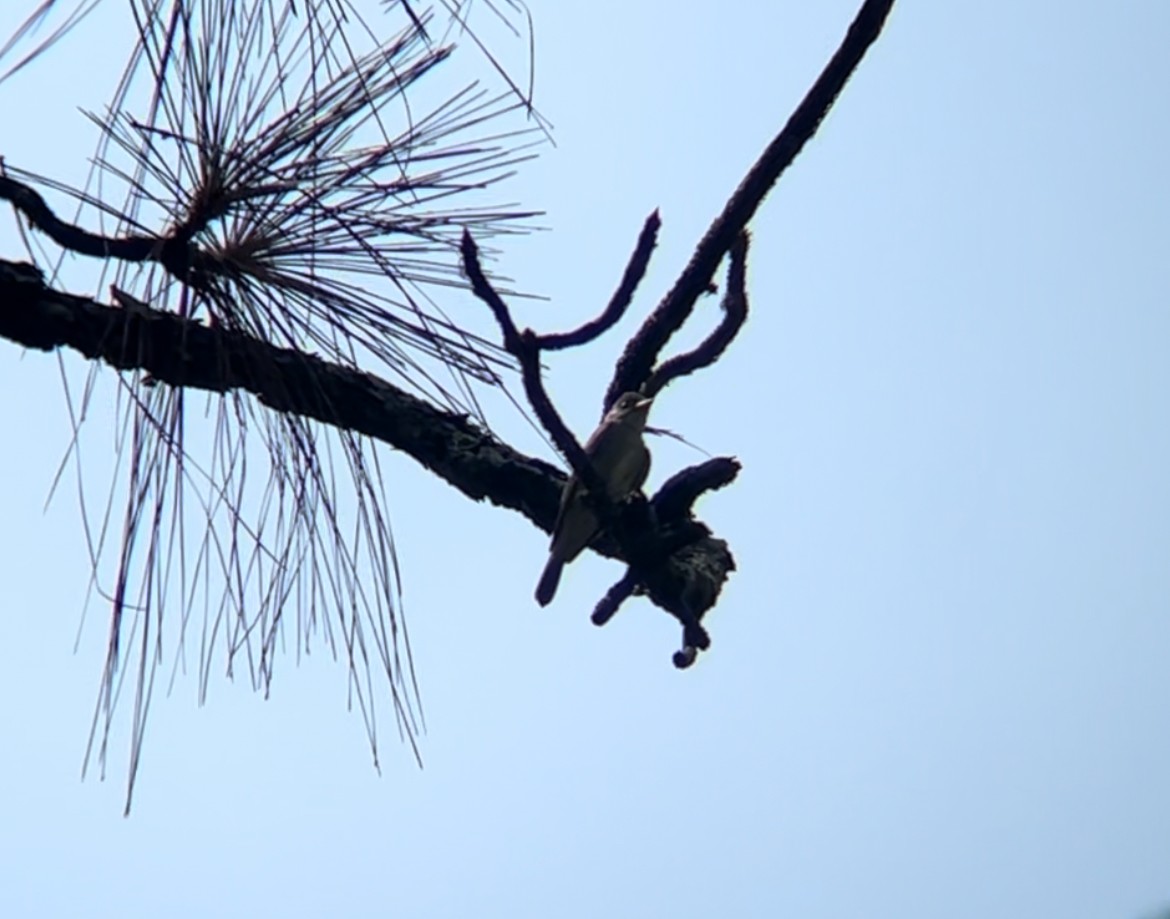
<point>938,683</point>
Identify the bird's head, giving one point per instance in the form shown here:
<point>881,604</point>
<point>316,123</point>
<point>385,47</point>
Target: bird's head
<point>630,408</point>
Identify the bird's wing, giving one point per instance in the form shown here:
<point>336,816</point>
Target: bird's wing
<point>643,472</point>
<point>599,444</point>
<point>568,495</point>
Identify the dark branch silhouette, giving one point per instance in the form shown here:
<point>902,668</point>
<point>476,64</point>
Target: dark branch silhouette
<point>268,166</point>
<point>619,302</point>
<point>525,348</point>
<point>275,225</point>
<point>634,525</point>
<point>642,352</point>
<point>186,354</point>
<point>645,544</point>
<point>183,260</point>
<point>735,311</point>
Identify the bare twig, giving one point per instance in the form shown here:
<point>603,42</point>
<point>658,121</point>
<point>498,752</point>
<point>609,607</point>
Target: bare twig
<point>735,311</point>
<point>642,352</point>
<point>619,302</point>
<point>177,255</point>
<point>184,353</point>
<point>526,349</point>
<point>608,605</point>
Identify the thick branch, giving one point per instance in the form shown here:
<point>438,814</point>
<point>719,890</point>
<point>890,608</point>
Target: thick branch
<point>672,555</point>
<point>651,534</point>
<point>182,352</point>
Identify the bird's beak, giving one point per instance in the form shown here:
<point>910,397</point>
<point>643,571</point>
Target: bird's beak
<point>646,400</point>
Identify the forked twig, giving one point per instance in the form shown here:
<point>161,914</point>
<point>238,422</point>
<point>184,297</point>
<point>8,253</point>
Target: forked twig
<point>646,543</point>
<point>643,350</point>
<point>643,531</point>
<point>620,301</point>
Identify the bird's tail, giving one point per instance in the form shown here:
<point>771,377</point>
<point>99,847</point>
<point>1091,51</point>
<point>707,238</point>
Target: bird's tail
<point>549,579</point>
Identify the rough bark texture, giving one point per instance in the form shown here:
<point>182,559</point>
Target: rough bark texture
<point>185,353</point>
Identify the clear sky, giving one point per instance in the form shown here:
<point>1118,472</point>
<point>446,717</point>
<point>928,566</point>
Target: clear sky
<point>939,681</point>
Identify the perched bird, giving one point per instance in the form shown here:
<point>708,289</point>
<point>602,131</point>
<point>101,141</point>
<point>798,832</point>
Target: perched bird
<point>622,461</point>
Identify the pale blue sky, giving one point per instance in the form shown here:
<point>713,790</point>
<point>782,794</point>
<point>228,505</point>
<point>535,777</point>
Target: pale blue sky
<point>939,681</point>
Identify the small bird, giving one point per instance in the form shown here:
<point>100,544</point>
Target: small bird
<point>622,461</point>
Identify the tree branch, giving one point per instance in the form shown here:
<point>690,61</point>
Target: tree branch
<point>184,260</point>
<point>642,352</point>
<point>645,543</point>
<point>526,349</point>
<point>619,302</point>
<point>185,353</point>
<point>671,555</point>
<point>735,312</point>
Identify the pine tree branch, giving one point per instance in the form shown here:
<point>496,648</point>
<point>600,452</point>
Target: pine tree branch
<point>185,353</point>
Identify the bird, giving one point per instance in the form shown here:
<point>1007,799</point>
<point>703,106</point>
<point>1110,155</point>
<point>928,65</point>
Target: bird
<point>622,461</point>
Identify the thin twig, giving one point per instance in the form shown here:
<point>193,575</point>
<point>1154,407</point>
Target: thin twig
<point>735,312</point>
<point>642,352</point>
<point>619,302</point>
<point>183,260</point>
<point>525,348</point>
